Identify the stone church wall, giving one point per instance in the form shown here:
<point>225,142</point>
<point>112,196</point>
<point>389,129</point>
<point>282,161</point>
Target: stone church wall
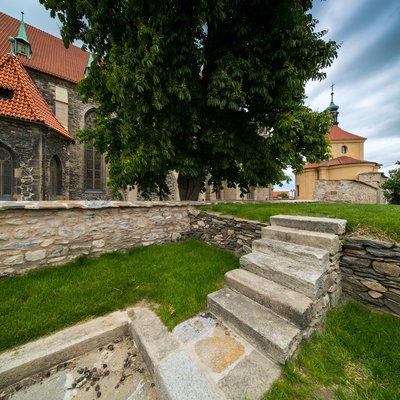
<point>32,146</point>
<point>345,191</point>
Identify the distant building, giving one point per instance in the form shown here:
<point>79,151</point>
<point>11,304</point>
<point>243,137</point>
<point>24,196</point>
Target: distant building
<point>347,176</point>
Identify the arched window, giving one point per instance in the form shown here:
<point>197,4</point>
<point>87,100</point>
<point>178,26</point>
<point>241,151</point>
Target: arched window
<point>55,178</point>
<point>343,149</point>
<point>93,160</point>
<point>6,174</point>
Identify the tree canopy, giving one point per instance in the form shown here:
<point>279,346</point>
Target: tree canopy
<point>213,89</point>
<point>391,186</point>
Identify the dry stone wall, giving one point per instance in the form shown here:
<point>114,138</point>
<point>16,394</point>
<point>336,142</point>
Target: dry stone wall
<point>371,272</point>
<point>227,232</point>
<point>35,234</point>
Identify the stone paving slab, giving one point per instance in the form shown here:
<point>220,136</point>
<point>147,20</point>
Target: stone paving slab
<point>115,371</point>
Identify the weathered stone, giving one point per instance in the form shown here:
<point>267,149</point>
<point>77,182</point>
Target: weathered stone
<point>47,242</point>
<point>230,232</point>
<point>392,306</point>
<point>58,251</point>
<point>14,260</point>
<point>371,243</point>
<point>99,243</point>
<point>21,233</point>
<point>361,262</point>
<point>351,283</point>
<point>365,297</point>
<point>374,286</point>
<point>382,252</point>
<point>385,268</point>
<point>5,236</point>
<point>356,252</point>
<point>393,296</point>
<point>55,223</point>
<point>35,255</point>
<point>375,295</point>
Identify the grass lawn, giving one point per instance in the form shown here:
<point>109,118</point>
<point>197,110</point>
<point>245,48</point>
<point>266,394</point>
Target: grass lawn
<point>357,357</point>
<point>376,219</point>
<point>176,276</point>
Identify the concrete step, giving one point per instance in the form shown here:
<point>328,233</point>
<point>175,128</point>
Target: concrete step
<point>325,241</point>
<point>299,276</point>
<point>274,336</point>
<point>285,302</point>
<point>306,254</point>
<point>327,225</point>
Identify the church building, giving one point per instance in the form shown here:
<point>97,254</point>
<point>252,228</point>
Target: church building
<point>40,114</point>
<point>346,177</point>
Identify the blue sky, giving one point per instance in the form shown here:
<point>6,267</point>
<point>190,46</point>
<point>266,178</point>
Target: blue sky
<point>366,73</point>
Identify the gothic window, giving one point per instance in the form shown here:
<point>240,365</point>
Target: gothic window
<point>6,175</point>
<point>55,178</point>
<point>93,160</point>
<point>93,169</point>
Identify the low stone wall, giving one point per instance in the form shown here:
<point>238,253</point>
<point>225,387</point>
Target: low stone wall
<point>227,232</point>
<point>371,272</point>
<point>34,234</point>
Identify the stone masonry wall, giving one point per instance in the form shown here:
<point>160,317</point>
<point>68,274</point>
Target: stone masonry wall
<point>227,232</point>
<point>48,233</point>
<point>371,272</point>
<point>346,191</point>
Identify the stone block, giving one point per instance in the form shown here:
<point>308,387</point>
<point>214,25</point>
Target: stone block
<point>384,268</point>
<point>14,260</point>
<point>35,255</point>
<point>361,262</point>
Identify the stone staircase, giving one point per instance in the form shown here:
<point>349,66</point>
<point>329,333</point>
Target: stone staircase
<point>285,286</point>
<point>279,296</point>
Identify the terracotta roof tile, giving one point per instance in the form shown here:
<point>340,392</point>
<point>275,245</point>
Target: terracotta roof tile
<point>337,134</point>
<point>337,161</point>
<point>48,52</point>
<point>26,102</point>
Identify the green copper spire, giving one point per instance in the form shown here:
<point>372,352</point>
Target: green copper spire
<point>20,43</point>
<point>21,31</point>
<point>333,109</point>
<point>89,64</point>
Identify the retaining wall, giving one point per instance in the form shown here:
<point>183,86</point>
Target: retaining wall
<point>371,272</point>
<point>227,232</point>
<point>34,234</point>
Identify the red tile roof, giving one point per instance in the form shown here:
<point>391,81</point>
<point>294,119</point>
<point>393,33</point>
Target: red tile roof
<point>338,161</point>
<point>26,103</point>
<point>48,52</point>
<point>337,134</point>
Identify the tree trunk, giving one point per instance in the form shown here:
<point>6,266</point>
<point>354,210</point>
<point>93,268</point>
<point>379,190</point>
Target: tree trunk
<point>189,187</point>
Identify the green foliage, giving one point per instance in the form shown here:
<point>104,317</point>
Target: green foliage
<point>392,186</point>
<point>177,276</point>
<point>157,113</point>
<point>354,358</point>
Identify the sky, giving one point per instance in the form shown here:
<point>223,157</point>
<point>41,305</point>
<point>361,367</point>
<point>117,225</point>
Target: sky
<point>366,73</point>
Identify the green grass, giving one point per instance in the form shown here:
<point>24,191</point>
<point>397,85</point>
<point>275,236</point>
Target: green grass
<point>177,276</point>
<point>357,357</point>
<point>378,219</point>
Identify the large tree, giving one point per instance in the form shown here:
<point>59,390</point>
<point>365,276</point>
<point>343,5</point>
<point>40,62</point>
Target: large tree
<point>392,185</point>
<point>213,89</point>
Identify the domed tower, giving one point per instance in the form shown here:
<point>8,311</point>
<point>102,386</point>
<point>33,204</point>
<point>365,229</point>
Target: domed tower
<point>333,109</point>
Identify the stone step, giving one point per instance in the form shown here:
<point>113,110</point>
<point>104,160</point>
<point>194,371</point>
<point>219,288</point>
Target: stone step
<point>285,302</point>
<point>321,240</point>
<point>177,375</point>
<point>306,254</point>
<point>317,224</point>
<point>301,277</point>
<point>272,335</point>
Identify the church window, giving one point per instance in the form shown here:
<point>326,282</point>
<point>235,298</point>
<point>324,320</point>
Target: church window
<point>6,175</point>
<point>55,178</point>
<point>93,160</point>
<point>343,149</point>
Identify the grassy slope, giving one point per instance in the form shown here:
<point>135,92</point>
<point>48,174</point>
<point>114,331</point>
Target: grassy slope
<point>356,357</point>
<point>177,276</point>
<point>377,218</point>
